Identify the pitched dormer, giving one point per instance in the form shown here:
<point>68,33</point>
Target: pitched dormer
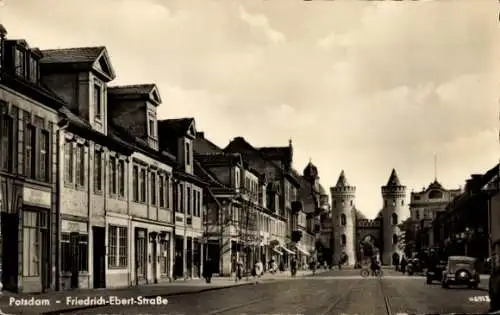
<point>135,106</point>
<point>22,61</point>
<point>177,136</point>
<point>79,76</point>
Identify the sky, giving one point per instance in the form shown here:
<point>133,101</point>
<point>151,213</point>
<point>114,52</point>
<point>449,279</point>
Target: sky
<point>358,86</point>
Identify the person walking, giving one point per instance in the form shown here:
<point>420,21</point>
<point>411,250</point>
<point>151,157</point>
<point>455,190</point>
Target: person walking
<point>293,267</point>
<point>259,270</point>
<point>239,271</point>
<point>207,270</point>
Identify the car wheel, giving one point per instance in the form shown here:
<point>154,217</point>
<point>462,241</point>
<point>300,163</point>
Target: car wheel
<point>445,285</point>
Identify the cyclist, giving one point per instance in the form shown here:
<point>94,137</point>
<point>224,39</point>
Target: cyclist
<point>374,265</point>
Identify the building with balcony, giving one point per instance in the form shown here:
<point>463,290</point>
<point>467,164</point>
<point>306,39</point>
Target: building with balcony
<point>240,225</point>
<point>281,195</point>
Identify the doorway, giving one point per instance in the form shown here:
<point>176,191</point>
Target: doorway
<point>141,261</point>
<point>9,267</point>
<point>154,259</point>
<point>99,267</point>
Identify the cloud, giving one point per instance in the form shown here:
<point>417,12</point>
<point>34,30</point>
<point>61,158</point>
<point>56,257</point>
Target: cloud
<point>261,22</point>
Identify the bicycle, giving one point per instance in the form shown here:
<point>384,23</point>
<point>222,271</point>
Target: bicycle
<point>365,273</point>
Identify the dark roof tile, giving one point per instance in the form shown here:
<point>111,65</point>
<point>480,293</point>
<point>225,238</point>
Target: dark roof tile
<point>72,55</point>
<point>141,89</point>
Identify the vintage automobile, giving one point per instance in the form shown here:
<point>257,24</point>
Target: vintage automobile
<point>435,272</point>
<point>460,270</point>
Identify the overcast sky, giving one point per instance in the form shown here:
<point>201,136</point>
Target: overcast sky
<point>364,87</point>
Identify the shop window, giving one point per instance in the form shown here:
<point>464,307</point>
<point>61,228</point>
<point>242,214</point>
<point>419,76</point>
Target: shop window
<point>117,246</point>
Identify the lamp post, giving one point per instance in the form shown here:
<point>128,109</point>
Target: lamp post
<point>3,33</point>
<point>467,235</point>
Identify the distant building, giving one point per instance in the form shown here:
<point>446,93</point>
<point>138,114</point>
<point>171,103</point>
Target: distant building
<point>424,208</point>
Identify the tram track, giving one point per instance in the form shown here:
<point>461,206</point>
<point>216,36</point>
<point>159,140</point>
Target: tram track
<point>340,298</point>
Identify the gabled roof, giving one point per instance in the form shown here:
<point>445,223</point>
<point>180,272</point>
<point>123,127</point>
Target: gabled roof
<point>206,175</point>
<point>393,179</point>
<point>178,127</point>
<point>89,58</point>
<point>145,90</point>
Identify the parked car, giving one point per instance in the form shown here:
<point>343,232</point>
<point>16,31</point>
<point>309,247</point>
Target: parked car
<point>460,270</point>
<point>435,272</point>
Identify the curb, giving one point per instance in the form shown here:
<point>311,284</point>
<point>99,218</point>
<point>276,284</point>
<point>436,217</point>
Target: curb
<point>81,308</point>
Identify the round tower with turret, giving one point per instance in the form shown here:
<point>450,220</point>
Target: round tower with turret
<point>344,220</point>
<point>394,195</point>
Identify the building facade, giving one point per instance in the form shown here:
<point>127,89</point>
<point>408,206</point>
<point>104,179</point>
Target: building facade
<point>424,207</point>
<point>28,170</point>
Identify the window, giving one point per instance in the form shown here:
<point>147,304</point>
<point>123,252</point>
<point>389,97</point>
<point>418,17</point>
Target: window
<point>199,203</point>
<point>343,219</point>
<point>435,194</point>
<point>74,251</point>
<point>121,178</point>
<point>135,183</point>
<point>343,239</point>
<point>402,202</point>
<point>153,188</point>
<point>6,142</point>
<point>112,175</point>
<point>142,184</point>
<point>394,239</point>
<point>393,202</point>
<point>351,202</point>
<point>394,219</point>
<point>167,192</point>
<point>33,65</point>
<point>195,203</point>
<point>20,62</point>
<point>80,165</point>
<point>152,133</point>
<point>117,245</point>
<point>385,203</point>
<point>29,151</point>
<point>44,155</point>
<point>188,153</point>
<point>97,101</point>
<point>417,214</point>
<point>68,161</point>
<point>161,192</point>
<point>188,200</point>
<point>181,198</point>
<point>98,171</point>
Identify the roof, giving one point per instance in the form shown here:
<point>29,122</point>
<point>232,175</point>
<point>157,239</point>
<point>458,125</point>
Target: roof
<point>239,142</point>
<point>219,159</point>
<point>206,175</point>
<point>310,171</point>
<point>131,89</point>
<point>72,55</point>
<point>393,179</point>
<point>177,126</point>
<point>342,181</point>
<point>277,153</point>
<point>435,185</point>
<point>359,214</point>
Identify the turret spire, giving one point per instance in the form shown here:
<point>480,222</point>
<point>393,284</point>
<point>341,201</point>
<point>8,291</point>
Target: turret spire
<point>393,179</point>
<point>342,181</point>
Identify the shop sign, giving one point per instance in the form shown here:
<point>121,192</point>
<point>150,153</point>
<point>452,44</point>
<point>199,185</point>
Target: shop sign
<point>73,227</point>
<point>36,197</point>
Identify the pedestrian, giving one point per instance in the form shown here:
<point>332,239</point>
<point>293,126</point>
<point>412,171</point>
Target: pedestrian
<point>403,264</point>
<point>259,269</point>
<point>293,267</point>
<point>207,270</point>
<point>239,271</point>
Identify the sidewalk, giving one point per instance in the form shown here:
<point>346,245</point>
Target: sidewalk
<point>55,302</point>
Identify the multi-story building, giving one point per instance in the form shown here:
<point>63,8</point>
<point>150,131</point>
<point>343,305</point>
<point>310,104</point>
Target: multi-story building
<point>177,137</point>
<point>238,231</point>
<point>113,181</point>
<point>28,170</point>
<point>281,190</point>
<point>424,207</point>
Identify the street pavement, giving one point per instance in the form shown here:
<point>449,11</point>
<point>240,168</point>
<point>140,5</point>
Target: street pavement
<point>332,292</point>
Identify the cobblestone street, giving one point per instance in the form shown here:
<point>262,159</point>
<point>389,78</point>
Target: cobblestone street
<point>335,292</point>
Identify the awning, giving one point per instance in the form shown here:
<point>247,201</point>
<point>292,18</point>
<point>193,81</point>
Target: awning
<point>277,251</point>
<point>287,250</point>
<point>303,251</point>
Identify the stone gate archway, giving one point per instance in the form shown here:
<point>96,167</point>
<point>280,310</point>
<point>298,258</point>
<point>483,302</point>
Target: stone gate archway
<point>368,246</point>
